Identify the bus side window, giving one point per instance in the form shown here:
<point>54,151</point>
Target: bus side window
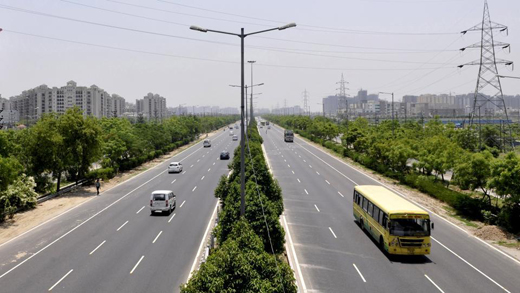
<point>360,199</point>
<point>370,208</point>
<point>381,218</point>
<point>355,196</point>
<point>376,214</point>
<point>385,220</point>
<point>365,204</point>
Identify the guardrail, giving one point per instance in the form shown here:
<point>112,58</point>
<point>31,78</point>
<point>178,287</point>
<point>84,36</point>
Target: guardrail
<point>65,189</point>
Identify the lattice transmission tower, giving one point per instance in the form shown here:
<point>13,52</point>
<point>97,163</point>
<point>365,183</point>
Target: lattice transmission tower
<point>342,98</point>
<point>306,107</point>
<point>488,98</point>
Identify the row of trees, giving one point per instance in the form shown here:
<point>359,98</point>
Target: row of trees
<point>420,155</point>
<point>36,159</point>
<point>249,256</point>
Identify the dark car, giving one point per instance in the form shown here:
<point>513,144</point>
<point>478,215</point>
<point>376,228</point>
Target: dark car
<point>224,155</point>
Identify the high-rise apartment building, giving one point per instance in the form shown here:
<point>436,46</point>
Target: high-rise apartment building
<point>152,106</point>
<point>31,104</point>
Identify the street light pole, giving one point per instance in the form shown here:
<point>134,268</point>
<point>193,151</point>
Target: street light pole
<point>242,134</point>
<point>251,62</point>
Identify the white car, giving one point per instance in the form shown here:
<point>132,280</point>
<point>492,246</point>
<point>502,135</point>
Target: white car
<point>175,167</point>
<point>207,143</point>
<point>235,137</point>
<point>231,133</point>
<point>162,201</point>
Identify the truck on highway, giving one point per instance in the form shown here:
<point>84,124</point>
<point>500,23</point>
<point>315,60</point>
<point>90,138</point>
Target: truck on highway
<point>288,135</point>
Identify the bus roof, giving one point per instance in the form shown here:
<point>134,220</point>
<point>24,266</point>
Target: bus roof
<point>388,201</point>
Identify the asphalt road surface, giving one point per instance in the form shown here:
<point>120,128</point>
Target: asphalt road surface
<point>112,243</point>
<point>334,255</point>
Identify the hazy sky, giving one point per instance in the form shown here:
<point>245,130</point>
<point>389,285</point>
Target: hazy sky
<point>404,46</point>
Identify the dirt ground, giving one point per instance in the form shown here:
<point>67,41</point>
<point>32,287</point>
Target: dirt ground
<point>27,220</point>
<point>489,233</point>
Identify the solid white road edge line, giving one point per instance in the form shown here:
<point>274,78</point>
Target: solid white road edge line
<point>157,237</point>
<point>12,239</point>
<point>202,242</point>
<point>470,265</point>
<point>122,226</point>
<point>135,267</point>
<point>433,283</point>
<point>334,234</point>
<point>404,196</point>
<point>79,225</point>
<point>361,275</point>
<point>97,247</point>
<point>50,289</point>
<point>293,251</point>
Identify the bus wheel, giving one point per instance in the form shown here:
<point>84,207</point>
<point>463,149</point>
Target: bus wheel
<point>361,224</point>
<point>381,243</point>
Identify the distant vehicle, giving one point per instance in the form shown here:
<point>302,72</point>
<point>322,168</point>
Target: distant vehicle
<point>175,167</point>
<point>288,135</point>
<point>399,226</point>
<point>268,126</point>
<point>266,122</point>
<point>262,123</point>
<point>236,126</point>
<point>230,126</point>
<point>162,201</point>
<point>207,143</point>
<point>235,137</point>
<point>231,133</point>
<point>224,155</point>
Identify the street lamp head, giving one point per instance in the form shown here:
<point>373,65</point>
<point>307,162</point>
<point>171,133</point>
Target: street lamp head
<point>251,61</point>
<point>200,29</point>
<point>292,24</point>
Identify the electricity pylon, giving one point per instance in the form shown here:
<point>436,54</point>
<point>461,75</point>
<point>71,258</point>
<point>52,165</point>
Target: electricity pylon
<point>488,96</point>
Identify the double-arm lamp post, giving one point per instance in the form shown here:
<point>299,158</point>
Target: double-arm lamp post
<point>242,36</point>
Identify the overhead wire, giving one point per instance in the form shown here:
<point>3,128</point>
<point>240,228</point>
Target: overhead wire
<point>202,59</point>
<point>320,28</point>
<point>408,51</point>
<point>185,38</point>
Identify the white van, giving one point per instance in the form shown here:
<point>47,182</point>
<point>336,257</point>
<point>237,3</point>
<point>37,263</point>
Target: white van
<point>207,143</point>
<point>162,201</point>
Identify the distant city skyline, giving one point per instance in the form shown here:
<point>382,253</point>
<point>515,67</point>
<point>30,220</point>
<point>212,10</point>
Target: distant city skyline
<point>403,47</point>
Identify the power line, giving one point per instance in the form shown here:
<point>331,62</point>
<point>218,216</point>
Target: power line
<point>208,59</point>
<point>393,51</point>
<point>320,28</point>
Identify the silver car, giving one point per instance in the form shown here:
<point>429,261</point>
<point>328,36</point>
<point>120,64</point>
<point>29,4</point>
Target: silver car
<point>162,201</point>
<point>175,167</point>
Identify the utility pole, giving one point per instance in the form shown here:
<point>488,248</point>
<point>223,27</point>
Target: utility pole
<point>488,72</point>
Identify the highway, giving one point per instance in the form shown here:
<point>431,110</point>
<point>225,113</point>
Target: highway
<point>112,243</point>
<point>334,255</point>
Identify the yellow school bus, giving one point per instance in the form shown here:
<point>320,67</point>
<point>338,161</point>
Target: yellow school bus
<point>399,226</point>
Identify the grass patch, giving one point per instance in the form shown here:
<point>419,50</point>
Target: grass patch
<point>452,213</point>
<point>509,244</point>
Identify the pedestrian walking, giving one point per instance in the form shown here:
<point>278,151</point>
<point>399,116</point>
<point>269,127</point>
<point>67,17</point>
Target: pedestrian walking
<point>98,185</point>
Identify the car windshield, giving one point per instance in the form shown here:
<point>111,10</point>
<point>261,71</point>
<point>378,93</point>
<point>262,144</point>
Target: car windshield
<point>159,196</point>
<point>173,164</point>
<point>410,227</point>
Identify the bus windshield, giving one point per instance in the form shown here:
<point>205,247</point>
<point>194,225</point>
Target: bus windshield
<point>410,227</point>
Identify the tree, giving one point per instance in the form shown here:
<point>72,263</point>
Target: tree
<point>18,195</point>
<point>505,176</point>
<point>45,149</point>
<point>474,172</point>
<point>241,265</point>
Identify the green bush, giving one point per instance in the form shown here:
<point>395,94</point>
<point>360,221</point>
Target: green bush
<point>103,174</point>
